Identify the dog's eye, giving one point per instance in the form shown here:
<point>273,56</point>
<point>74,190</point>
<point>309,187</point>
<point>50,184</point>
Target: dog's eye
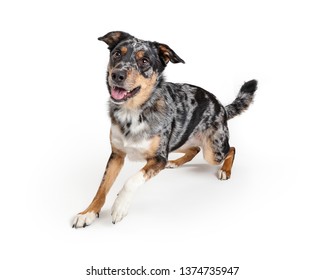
<point>144,62</point>
<point>116,54</point>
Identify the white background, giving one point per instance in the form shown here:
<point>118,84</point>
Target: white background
<point>268,219</point>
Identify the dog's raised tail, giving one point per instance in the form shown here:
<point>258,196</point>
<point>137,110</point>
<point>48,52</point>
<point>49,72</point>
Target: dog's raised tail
<point>243,100</point>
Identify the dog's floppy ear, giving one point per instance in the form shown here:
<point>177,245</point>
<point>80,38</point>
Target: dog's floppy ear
<point>113,38</point>
<point>167,54</point>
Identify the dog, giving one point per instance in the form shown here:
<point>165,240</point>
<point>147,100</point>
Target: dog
<point>150,118</point>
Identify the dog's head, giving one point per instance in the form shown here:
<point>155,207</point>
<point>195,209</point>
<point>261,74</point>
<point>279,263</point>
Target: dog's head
<point>135,67</point>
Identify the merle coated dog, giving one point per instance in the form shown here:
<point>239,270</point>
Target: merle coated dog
<point>152,118</point>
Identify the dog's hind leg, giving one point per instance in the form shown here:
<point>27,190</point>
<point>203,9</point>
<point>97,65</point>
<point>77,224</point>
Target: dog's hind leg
<point>113,167</point>
<point>189,155</point>
<point>225,171</point>
<point>122,202</point>
<point>216,151</point>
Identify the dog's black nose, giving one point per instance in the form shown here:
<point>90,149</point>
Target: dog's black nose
<point>119,76</point>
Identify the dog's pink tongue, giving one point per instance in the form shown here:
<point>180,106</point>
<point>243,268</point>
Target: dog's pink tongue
<point>118,93</point>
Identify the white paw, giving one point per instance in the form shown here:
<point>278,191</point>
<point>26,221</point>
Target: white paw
<point>222,175</point>
<point>83,220</point>
<point>120,207</point>
<point>171,164</point>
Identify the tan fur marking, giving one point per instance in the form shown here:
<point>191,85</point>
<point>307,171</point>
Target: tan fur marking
<point>147,85</point>
<point>208,152</point>
<point>227,164</point>
<point>139,55</point>
<point>113,168</point>
<point>189,155</point>
<point>165,53</point>
<point>116,36</point>
<point>154,145</point>
<point>160,105</point>
<point>124,50</point>
<point>109,69</point>
<point>152,168</point>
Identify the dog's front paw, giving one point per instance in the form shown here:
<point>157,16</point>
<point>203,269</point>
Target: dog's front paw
<point>83,220</point>
<point>223,175</point>
<point>120,207</point>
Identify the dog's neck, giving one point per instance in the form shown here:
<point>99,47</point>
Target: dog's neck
<point>148,116</point>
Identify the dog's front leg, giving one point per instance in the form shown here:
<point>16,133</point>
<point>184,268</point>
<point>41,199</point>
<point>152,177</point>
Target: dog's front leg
<point>122,202</point>
<point>113,167</point>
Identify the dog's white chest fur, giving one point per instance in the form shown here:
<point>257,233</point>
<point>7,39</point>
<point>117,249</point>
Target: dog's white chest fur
<point>135,149</point>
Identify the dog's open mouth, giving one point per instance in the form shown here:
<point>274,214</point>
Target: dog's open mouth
<point>120,94</point>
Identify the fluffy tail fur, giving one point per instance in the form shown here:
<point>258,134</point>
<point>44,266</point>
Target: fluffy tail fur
<point>243,100</point>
